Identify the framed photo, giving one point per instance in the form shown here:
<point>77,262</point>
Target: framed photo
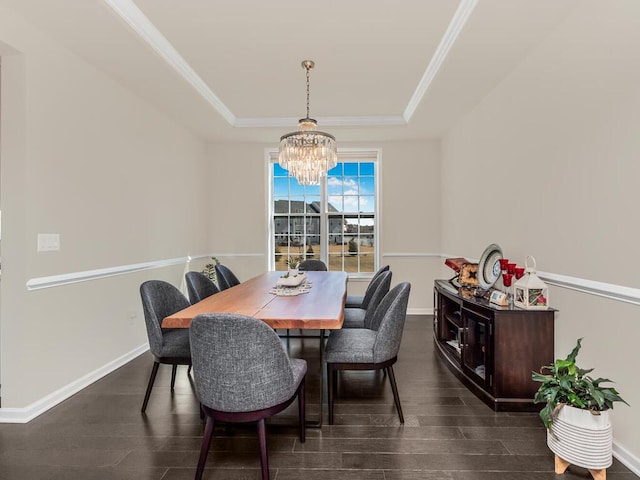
<point>469,275</point>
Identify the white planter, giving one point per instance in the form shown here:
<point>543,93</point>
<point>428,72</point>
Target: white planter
<point>582,438</point>
<point>292,280</point>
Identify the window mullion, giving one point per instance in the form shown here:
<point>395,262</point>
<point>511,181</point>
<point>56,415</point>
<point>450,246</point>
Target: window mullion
<point>324,223</point>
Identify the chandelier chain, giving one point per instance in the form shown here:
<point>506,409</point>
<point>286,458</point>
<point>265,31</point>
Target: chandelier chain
<point>307,69</point>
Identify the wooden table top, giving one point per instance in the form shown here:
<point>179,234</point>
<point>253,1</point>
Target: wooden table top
<point>321,308</point>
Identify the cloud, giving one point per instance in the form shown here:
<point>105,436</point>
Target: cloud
<point>351,203</point>
<point>348,183</point>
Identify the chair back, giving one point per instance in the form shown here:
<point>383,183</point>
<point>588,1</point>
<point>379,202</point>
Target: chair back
<point>373,285</point>
<point>383,285</point>
<point>380,271</point>
<point>159,299</point>
<point>312,265</point>
<point>239,363</point>
<point>389,322</point>
<point>199,286</point>
<point>226,278</point>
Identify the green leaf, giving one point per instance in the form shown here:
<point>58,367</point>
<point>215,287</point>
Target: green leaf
<point>566,383</point>
<point>598,397</point>
<point>546,416</point>
<point>574,353</point>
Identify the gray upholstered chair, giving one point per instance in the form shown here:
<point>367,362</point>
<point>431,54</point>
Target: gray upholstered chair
<point>226,278</point>
<point>362,317</point>
<point>242,373</point>
<point>168,345</point>
<point>370,349</point>
<point>312,265</point>
<point>356,301</point>
<point>199,287</point>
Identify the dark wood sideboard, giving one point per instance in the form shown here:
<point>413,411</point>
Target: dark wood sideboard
<point>492,349</point>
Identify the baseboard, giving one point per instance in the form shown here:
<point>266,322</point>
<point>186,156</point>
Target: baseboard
<point>28,413</point>
<point>420,311</point>
<point>625,457</point>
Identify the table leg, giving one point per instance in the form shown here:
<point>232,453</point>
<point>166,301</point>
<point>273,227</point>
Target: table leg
<point>318,423</point>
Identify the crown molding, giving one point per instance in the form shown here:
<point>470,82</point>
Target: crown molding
<point>138,21</point>
<point>463,12</point>
<point>289,122</point>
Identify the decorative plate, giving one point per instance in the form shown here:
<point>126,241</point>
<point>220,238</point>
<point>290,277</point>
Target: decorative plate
<point>489,266</point>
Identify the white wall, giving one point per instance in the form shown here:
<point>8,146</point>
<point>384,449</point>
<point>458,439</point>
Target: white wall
<point>238,189</point>
<point>548,165</point>
<point>121,184</point>
<point>409,218</point>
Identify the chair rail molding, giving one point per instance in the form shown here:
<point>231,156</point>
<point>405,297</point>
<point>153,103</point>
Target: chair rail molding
<point>87,275</point>
<point>412,255</point>
<point>600,289</point>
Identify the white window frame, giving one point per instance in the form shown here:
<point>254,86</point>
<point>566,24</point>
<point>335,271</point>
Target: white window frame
<point>344,155</point>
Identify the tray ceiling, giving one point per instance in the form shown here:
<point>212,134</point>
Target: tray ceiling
<point>230,71</point>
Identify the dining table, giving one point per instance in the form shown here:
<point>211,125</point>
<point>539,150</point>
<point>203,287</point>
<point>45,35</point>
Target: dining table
<point>317,304</point>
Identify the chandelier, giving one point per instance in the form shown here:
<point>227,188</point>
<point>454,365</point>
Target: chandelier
<point>308,153</point>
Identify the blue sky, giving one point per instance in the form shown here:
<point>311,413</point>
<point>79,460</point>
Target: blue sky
<point>348,190</point>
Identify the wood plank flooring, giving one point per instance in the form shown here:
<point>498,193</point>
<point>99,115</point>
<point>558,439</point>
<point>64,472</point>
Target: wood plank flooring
<point>449,434</point>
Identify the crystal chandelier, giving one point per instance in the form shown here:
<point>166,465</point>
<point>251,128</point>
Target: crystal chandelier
<point>308,153</point>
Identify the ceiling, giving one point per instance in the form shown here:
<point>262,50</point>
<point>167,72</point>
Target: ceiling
<point>230,70</point>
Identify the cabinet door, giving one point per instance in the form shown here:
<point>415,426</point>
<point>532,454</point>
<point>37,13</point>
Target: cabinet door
<point>476,354</point>
<point>448,324</point>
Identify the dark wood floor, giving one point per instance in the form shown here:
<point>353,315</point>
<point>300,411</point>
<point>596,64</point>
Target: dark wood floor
<point>449,434</point>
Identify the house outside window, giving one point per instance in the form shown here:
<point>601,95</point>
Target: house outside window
<point>335,222</point>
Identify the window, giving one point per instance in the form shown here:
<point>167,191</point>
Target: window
<point>334,222</point>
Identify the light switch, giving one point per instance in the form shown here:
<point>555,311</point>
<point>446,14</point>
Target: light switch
<point>48,242</point>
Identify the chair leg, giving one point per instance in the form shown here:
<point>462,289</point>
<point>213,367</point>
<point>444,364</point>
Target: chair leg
<point>302,409</point>
<point>394,388</point>
<point>330,386</point>
<point>152,379</point>
<point>204,449</point>
<point>174,368</point>
<point>189,370</point>
<point>264,458</point>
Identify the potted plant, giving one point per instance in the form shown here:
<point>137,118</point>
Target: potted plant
<point>576,415</point>
<point>292,265</point>
<point>209,270</point>
<point>294,262</point>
